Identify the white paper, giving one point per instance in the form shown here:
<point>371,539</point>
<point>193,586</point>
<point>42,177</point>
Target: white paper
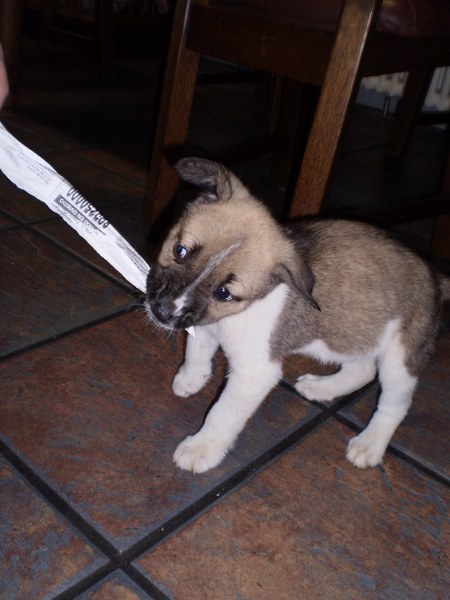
<point>31,173</point>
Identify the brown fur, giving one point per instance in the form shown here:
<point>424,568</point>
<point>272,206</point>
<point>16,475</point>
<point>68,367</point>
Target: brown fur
<point>363,279</point>
<point>347,279</point>
<point>352,295</point>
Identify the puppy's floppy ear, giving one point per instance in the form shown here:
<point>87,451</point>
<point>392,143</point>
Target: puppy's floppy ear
<point>298,276</point>
<point>211,177</point>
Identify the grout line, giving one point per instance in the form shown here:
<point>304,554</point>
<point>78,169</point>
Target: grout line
<point>58,503</point>
<point>117,313</point>
<point>122,559</point>
<point>86,583</point>
<point>72,254</point>
<point>238,478</point>
<point>17,223</point>
<point>24,222</point>
<point>426,470</point>
<point>96,578</point>
<point>116,560</point>
<point>144,583</point>
<point>83,528</point>
<point>32,227</point>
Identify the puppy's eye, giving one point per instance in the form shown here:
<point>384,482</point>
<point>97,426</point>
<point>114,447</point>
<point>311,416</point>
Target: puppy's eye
<point>180,251</point>
<point>223,294</point>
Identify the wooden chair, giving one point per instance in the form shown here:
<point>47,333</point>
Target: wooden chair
<point>326,43</point>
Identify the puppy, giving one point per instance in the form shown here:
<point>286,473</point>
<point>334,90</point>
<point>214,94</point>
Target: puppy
<point>337,291</point>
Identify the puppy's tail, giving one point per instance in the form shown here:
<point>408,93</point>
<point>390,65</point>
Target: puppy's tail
<point>444,281</point>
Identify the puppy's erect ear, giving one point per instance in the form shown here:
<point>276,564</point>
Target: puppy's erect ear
<point>299,277</point>
<point>211,177</point>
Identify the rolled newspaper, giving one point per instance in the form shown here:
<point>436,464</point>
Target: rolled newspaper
<point>31,173</point>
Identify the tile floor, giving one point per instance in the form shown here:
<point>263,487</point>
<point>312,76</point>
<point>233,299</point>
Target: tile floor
<point>91,505</point>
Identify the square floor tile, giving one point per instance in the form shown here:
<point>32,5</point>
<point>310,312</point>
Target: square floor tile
<point>46,292</point>
<point>25,130</point>
<point>41,555</point>
<point>20,205</point>
<point>100,186</point>
<point>95,414</point>
<point>60,232</point>
<point>313,526</point>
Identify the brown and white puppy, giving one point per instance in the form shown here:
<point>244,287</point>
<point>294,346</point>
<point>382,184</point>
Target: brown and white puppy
<point>337,291</point>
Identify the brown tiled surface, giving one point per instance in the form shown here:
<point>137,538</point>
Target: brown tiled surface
<point>19,205</point>
<point>91,505</point>
<point>313,526</point>
<point>117,587</point>
<point>40,553</point>
<point>6,222</point>
<point>115,425</point>
<point>58,231</point>
<point>45,292</point>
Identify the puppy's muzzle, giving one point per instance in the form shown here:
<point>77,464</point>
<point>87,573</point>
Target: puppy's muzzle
<point>166,314</point>
<point>162,311</point>
<point>167,302</point>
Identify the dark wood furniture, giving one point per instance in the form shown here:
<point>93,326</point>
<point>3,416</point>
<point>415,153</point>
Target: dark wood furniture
<point>331,44</point>
<point>94,25</point>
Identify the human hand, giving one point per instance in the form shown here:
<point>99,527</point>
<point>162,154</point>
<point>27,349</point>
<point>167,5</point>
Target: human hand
<point>4,84</point>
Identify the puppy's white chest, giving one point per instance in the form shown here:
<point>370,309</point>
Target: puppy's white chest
<point>249,332</point>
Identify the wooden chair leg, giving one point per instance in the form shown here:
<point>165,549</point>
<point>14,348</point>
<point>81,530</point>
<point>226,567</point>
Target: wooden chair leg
<point>173,118</point>
<point>338,90</point>
<point>407,112</point>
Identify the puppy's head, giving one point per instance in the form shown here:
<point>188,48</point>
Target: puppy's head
<point>225,252</point>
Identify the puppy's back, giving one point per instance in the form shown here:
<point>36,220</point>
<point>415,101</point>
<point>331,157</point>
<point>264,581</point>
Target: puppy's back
<point>363,280</point>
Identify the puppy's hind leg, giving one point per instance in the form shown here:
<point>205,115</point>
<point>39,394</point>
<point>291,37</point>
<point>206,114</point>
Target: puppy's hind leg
<point>323,388</point>
<point>197,366</point>
<point>397,388</point>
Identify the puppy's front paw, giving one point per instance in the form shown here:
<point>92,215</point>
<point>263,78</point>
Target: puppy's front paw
<point>189,381</point>
<point>315,387</point>
<point>365,450</point>
<point>198,454</point>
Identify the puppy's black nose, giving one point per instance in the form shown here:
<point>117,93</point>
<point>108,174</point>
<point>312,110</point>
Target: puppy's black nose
<point>162,312</point>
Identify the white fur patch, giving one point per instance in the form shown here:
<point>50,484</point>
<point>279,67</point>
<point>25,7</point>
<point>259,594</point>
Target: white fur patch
<point>397,385</point>
<point>180,303</point>
<point>319,350</point>
<point>368,448</point>
<point>245,339</point>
